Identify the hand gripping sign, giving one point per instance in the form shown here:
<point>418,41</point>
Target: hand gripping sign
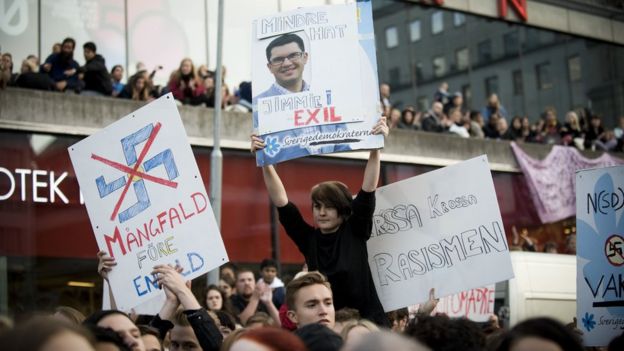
<point>146,200</point>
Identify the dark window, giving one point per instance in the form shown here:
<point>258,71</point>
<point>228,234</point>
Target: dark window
<point>458,19</point>
<point>417,70</point>
<point>467,93</point>
<point>462,58</point>
<point>574,69</point>
<point>414,30</point>
<point>439,66</point>
<point>437,22</point>
<point>511,43</point>
<point>485,51</point>
<point>542,71</point>
<point>518,85</point>
<point>423,103</point>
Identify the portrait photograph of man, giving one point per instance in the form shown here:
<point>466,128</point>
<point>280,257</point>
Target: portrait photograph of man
<point>286,60</point>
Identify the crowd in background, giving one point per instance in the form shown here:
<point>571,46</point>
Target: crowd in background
<point>60,72</point>
<point>245,313</point>
<point>448,114</point>
<point>193,85</point>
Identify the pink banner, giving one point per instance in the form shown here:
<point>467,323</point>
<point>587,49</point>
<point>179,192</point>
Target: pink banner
<point>551,180</point>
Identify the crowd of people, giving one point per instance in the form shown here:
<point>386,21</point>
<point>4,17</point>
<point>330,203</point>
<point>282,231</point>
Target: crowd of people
<point>193,85</point>
<point>60,72</point>
<point>242,313</point>
<point>448,114</point>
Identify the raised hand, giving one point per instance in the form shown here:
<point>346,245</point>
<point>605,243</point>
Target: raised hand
<point>256,143</point>
<point>381,127</point>
<point>105,264</point>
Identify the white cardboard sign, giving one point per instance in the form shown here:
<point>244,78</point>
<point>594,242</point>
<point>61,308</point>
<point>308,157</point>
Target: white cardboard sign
<point>441,230</point>
<point>146,200</point>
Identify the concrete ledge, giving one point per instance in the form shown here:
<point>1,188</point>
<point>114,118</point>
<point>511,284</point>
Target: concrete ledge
<point>70,114</point>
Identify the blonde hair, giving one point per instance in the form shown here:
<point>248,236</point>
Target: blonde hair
<point>348,326</point>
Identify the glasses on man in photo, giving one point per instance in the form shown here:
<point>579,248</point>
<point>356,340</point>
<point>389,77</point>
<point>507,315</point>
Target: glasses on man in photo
<point>294,57</point>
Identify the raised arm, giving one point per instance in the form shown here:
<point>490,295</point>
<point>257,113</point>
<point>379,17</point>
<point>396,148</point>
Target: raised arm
<point>272,181</point>
<point>371,173</point>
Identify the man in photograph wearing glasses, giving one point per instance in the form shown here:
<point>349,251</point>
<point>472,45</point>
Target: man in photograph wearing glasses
<point>286,60</point>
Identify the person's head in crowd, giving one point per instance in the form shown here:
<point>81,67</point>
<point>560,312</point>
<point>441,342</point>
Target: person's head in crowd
<point>443,87</point>
<point>48,334</point>
<point>89,50</point>
<point>186,70</point>
<point>550,116</point>
<point>107,339</point>
<point>354,331</point>
<point>331,205</point>
<point>617,344</point>
<point>595,121</point>
<point>502,126</point>
<point>550,247</point>
<point>29,66</point>
<point>399,319</point>
<point>56,48</point>
<point>476,116</point>
<point>386,341</point>
<point>259,320</point>
<point>437,108</point>
<point>67,49</point>
<point>540,334</point>
<point>228,269</point>
<point>244,91</point>
<point>456,116</point>
<point>442,333</point>
<point>268,270</point>
<point>245,283</point>
<point>268,339</point>
<point>140,66</point>
<point>286,59</point>
<point>203,72</point>
<point>214,298</point>
<point>34,58</point>
<point>227,284</point>
<point>458,99</point>
<point>572,120</point>
<point>493,122</point>
<point>69,314</point>
<point>182,334</point>
<point>151,338</point>
<point>7,62</point>
<point>493,101</point>
<point>526,124</point>
<point>117,73</point>
<point>384,90</point>
<point>310,301</point>
<point>516,123</point>
<point>344,316</point>
<point>407,117</point>
<point>394,118</point>
<point>120,323</point>
<point>232,338</point>
<point>139,86</point>
<point>317,337</point>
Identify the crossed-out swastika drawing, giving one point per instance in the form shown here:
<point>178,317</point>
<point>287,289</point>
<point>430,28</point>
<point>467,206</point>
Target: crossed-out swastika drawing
<point>136,172</point>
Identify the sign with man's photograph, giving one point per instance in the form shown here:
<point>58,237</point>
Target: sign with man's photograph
<point>315,87</point>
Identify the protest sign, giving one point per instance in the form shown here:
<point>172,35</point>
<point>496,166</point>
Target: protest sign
<point>600,254</point>
<point>314,78</point>
<point>441,230</point>
<point>475,304</point>
<point>146,200</point>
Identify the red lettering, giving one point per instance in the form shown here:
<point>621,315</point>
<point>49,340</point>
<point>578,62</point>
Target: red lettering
<point>312,114</point>
<point>298,117</point>
<point>202,197</point>
<point>334,118</point>
<point>116,238</point>
<point>184,213</point>
<point>173,213</point>
<point>143,235</point>
<point>519,6</point>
